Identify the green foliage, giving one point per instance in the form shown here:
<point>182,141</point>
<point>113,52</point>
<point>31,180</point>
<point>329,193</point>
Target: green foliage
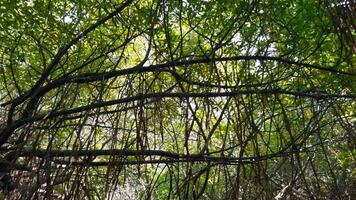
<point>247,99</point>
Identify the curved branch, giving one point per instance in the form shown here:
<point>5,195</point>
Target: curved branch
<point>7,131</point>
<point>92,77</point>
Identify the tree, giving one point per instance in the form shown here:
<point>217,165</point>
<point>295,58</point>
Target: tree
<point>177,99</point>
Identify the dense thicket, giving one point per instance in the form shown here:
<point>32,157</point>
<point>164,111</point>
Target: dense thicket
<point>177,99</point>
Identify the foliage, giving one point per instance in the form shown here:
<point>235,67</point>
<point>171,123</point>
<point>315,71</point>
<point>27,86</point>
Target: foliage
<point>177,99</point>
